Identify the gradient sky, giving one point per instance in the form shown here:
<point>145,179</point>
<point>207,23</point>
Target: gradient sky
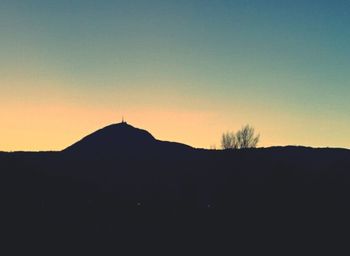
<point>184,70</point>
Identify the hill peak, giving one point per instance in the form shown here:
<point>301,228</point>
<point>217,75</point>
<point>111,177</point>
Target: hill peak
<point>116,137</point>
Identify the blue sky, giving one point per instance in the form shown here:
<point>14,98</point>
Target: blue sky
<point>281,66</point>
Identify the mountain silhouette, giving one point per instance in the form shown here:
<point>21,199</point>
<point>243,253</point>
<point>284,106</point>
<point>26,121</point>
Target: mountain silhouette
<point>120,183</point>
<point>122,138</point>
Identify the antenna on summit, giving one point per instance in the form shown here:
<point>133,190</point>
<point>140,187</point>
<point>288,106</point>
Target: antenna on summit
<point>123,121</point>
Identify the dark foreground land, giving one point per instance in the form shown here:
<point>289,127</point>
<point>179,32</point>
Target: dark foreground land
<point>123,188</point>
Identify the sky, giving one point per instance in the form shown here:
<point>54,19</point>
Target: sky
<point>184,70</point>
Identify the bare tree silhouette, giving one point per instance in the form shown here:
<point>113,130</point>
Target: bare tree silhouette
<point>228,140</point>
<point>244,138</point>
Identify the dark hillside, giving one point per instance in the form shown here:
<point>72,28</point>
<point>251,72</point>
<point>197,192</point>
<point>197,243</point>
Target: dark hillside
<point>121,183</point>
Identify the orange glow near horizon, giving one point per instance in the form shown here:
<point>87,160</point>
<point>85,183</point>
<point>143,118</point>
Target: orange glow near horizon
<point>49,116</point>
<point>54,127</point>
<point>39,114</point>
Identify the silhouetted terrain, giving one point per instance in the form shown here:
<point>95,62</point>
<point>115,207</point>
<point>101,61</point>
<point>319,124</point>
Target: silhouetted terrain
<point>121,185</point>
